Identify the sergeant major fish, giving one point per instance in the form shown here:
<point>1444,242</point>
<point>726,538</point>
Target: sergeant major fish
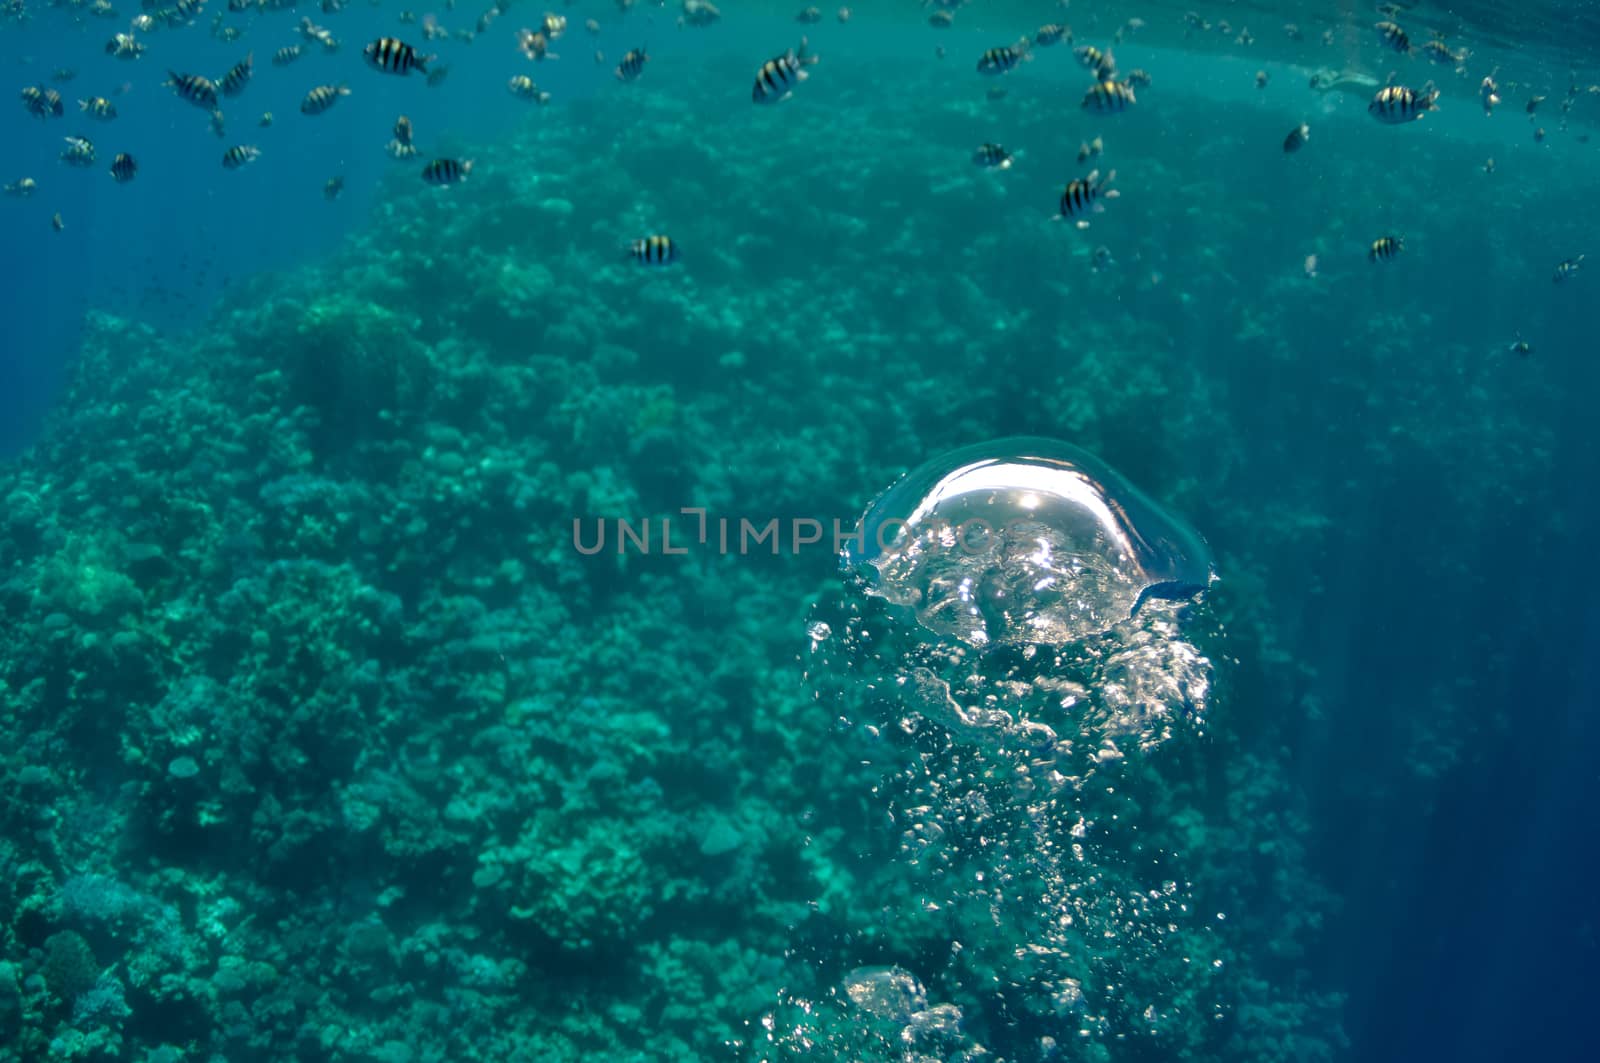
<point>123,46</point>
<point>654,251</point>
<point>1092,58</point>
<point>778,76</point>
<point>234,81</point>
<point>1385,249</point>
<point>447,171</point>
<point>99,108</point>
<point>1053,33</point>
<point>1394,37</point>
<point>632,65</point>
<point>240,155</point>
<point>1083,195</point>
<point>993,157</point>
<point>78,152</point>
<point>1397,105</point>
<point>393,56</point>
<point>1005,58</point>
<point>1108,97</point>
<point>196,88</point>
<point>321,98</point>
<point>42,102</point>
<point>523,87</point>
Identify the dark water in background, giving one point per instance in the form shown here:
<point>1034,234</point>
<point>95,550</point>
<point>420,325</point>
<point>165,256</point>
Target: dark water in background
<point>1465,869</point>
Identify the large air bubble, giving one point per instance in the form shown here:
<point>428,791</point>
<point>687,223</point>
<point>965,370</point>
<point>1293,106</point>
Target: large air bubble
<point>1024,540</point>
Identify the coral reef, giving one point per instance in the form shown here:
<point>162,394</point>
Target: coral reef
<point>326,743</point>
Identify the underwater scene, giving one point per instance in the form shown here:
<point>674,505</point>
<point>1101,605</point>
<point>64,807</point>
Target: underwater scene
<point>931,530</point>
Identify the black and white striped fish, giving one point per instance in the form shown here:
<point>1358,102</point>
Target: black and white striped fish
<point>992,157</point>
<point>632,65</point>
<point>1397,105</point>
<point>393,56</point>
<point>778,76</point>
<point>1083,195</point>
<point>99,108</point>
<point>123,46</point>
<point>523,86</point>
<point>1103,64</point>
<point>446,171</point>
<point>654,251</point>
<point>1296,139</point>
<point>286,55</point>
<point>234,81</point>
<point>1394,37</point>
<point>1053,33</point>
<point>321,98</point>
<point>196,88</point>
<point>1567,269</point>
<point>1108,97</point>
<point>123,167</point>
<point>240,155</point>
<point>1440,52</point>
<point>42,102</point>
<point>79,152</point>
<point>1385,248</point>
<point>1005,58</point>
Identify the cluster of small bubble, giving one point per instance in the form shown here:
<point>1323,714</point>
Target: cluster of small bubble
<point>1001,760</point>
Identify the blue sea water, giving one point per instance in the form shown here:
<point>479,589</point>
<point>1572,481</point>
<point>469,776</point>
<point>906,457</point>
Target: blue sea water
<point>1392,788</point>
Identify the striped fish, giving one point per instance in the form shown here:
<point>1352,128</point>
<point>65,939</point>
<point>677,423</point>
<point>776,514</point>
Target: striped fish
<point>1566,270</point>
<point>394,56</point>
<point>196,88</point>
<point>240,155</point>
<point>1108,97</point>
<point>632,65</point>
<point>992,156</point>
<point>446,171</point>
<point>234,81</point>
<point>1397,105</point>
<point>1083,194</point>
<point>1440,52</point>
<point>1053,33</point>
<point>1385,248</point>
<point>1394,37</point>
<point>42,102</point>
<point>1004,59</point>
<point>321,98</point>
<point>1296,139</point>
<point>776,79</point>
<point>79,152</point>
<point>654,251</point>
<point>123,46</point>
<point>286,55</point>
<point>1092,58</point>
<point>123,167</point>
<point>99,108</point>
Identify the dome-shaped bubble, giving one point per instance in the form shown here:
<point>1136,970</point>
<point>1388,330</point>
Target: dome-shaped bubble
<point>1024,540</point>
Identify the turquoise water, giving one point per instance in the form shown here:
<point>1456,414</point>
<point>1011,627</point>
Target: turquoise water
<point>425,634</point>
